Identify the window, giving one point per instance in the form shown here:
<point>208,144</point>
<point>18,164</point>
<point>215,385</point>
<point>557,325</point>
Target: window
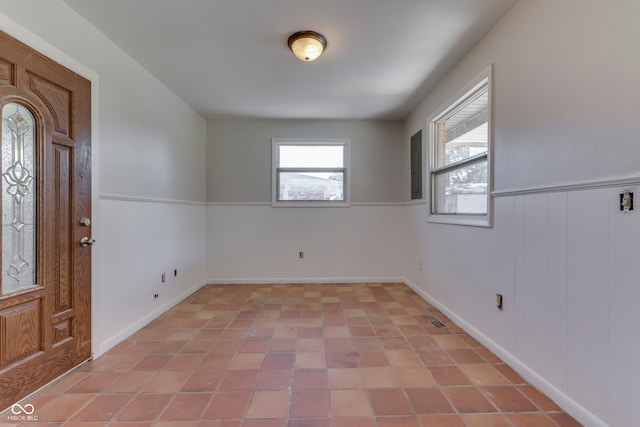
<point>310,172</point>
<point>460,157</point>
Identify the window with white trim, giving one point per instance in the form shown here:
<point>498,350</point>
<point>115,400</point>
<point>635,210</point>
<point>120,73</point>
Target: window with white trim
<point>460,169</point>
<point>310,172</point>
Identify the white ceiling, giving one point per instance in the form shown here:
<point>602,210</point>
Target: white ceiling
<point>229,58</point>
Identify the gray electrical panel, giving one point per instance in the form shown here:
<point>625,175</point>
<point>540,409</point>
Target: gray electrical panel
<point>416,166</point>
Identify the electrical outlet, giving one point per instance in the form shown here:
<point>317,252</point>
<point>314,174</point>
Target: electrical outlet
<point>175,273</point>
<point>164,277</point>
<point>301,255</point>
<point>499,301</point>
<point>155,296</point>
<point>626,201</point>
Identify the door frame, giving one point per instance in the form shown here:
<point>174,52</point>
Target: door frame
<point>42,46</point>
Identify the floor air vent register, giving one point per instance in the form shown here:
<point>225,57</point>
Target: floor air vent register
<point>434,321</point>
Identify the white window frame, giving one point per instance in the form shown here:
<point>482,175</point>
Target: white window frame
<point>275,161</point>
<point>470,89</point>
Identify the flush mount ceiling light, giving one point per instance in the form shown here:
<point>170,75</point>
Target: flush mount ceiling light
<point>307,45</point>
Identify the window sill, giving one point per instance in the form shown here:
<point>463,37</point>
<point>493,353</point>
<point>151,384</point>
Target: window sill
<point>310,204</point>
<point>465,220</point>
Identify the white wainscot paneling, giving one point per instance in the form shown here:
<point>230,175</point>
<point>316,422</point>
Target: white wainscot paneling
<point>624,315</point>
<point>259,243</point>
<point>138,241</point>
<point>552,256</point>
<point>541,284</point>
<point>501,329</point>
<point>555,315</point>
<point>531,280</point>
<point>588,298</point>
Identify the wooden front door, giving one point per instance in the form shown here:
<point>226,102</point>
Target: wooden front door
<point>45,287</point>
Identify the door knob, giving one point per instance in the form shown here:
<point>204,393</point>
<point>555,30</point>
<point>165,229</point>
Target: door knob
<point>86,241</point>
<point>85,222</point>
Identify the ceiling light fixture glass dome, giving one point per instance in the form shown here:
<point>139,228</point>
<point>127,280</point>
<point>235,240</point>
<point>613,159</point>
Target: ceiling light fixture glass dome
<point>307,45</point>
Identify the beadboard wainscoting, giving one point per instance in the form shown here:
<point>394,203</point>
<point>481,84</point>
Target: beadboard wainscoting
<point>566,263</point>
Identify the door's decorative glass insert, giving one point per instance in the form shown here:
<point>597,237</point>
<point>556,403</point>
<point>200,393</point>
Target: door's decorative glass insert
<point>18,198</point>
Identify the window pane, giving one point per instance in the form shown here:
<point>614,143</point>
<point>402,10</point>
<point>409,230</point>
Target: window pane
<point>18,199</point>
<point>465,133</point>
<point>462,190</point>
<point>311,156</point>
<point>311,186</point>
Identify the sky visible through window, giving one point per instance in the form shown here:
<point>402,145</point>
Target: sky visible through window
<point>311,172</point>
<point>311,156</point>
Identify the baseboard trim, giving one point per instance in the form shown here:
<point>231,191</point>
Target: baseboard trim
<point>301,280</point>
<point>107,344</point>
<point>573,408</point>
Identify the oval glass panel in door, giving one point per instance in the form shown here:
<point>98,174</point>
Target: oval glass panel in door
<point>18,198</point>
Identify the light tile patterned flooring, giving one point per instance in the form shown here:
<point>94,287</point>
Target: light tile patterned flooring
<point>345,355</point>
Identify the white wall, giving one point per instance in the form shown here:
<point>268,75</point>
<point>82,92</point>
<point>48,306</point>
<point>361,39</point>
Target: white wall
<point>148,170</point>
<point>250,241</point>
<point>261,244</point>
<point>565,258</point>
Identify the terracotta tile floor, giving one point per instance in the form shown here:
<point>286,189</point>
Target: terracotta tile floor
<point>353,355</point>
